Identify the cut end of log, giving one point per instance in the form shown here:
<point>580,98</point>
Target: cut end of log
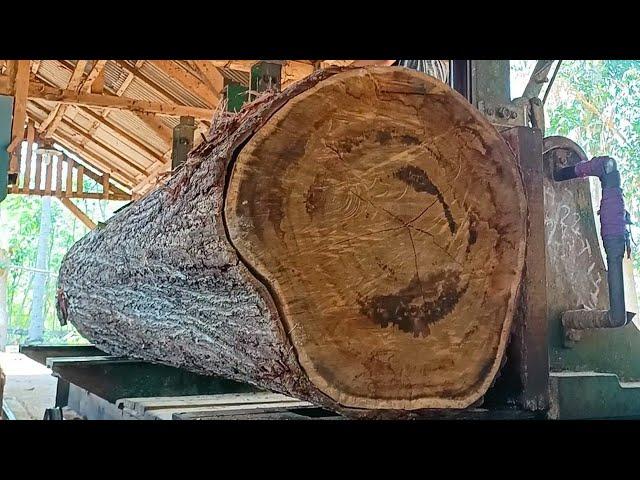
<point>386,217</point>
<point>356,241</point>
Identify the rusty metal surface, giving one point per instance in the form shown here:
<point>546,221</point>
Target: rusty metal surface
<point>525,377</point>
<point>576,274</point>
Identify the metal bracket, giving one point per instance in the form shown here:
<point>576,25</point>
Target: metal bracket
<point>504,114</point>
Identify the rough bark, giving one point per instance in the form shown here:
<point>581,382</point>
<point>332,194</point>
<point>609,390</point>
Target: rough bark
<point>396,294</point>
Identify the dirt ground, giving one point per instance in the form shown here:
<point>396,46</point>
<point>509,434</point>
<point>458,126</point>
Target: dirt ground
<point>30,388</point>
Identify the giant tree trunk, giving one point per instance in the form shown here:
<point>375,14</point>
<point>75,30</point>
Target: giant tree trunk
<point>356,241</point>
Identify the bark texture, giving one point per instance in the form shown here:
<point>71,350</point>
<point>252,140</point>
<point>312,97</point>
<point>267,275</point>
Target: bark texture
<point>356,241</point>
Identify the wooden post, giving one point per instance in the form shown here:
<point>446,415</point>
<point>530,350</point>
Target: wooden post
<point>80,181</point>
<point>69,191</point>
<point>38,176</point>
<point>59,182</point>
<point>105,186</point>
<point>48,176</point>
<point>29,160</point>
<point>79,214</point>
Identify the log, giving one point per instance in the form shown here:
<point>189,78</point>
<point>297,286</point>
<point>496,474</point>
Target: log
<point>356,241</point>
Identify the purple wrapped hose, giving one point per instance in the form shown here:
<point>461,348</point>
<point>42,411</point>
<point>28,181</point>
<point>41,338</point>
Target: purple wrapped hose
<point>612,212</point>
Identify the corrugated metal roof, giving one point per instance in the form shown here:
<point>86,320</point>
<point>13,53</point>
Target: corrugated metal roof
<point>124,138</point>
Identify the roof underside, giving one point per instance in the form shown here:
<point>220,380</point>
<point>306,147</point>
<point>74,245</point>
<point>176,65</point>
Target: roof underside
<point>87,107</point>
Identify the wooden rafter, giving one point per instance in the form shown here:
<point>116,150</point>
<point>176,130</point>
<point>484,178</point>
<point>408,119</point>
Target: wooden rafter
<point>152,153</point>
<point>38,90</point>
<point>97,72</point>
<point>52,122</point>
<point>189,81</point>
<point>78,213</point>
<point>240,65</point>
<point>88,136</point>
<point>137,73</point>
<point>211,76</point>
<point>19,91</point>
<point>92,158</point>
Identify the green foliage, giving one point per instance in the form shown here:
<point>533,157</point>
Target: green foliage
<point>21,225</point>
<point>596,103</point>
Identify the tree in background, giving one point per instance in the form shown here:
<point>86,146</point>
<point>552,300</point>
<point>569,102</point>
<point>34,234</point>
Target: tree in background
<point>4,276</point>
<point>36,319</point>
<point>596,103</point>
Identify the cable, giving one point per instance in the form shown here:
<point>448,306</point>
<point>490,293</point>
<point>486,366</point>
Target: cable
<point>546,92</point>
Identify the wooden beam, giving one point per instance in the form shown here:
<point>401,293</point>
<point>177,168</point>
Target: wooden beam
<point>292,71</point>
<point>35,66</point>
<point>52,122</point>
<point>94,160</point>
<point>27,168</point>
<point>122,177</point>
<point>79,214</point>
<point>186,79</point>
<point>52,94</point>
<point>211,76</point>
<point>145,184</point>
<point>240,65</point>
<point>20,91</point>
<point>97,72</point>
<point>141,76</point>
<point>88,136</point>
<point>154,154</point>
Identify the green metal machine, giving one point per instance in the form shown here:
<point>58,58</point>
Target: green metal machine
<point>6,116</point>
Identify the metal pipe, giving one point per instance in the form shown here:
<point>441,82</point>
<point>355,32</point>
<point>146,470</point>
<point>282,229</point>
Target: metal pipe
<point>613,222</point>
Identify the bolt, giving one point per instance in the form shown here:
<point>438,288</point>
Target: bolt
<point>489,111</point>
<point>503,112</point>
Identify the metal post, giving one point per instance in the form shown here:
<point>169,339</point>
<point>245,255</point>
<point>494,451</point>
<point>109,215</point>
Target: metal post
<point>182,141</point>
<point>266,75</point>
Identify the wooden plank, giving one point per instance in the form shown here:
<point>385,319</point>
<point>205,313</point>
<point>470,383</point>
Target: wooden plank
<point>26,185</point>
<point>20,92</point>
<point>78,73</point>
<point>59,182</point>
<point>35,66</point>
<point>141,405</point>
<point>159,128</point>
<point>48,177</point>
<point>211,76</point>
<point>44,125</point>
<point>97,162</point>
<point>186,79</point>
<point>88,136</point>
<point>80,180</point>
<point>70,166</point>
<point>168,413</point>
<point>38,176</point>
<point>239,65</point>
<point>292,71</point>
<point>41,91</point>
<point>154,154</point>
<point>95,80</point>
<point>85,195</point>
<point>83,217</point>
<point>105,186</point>
<point>52,122</point>
<point>311,412</point>
<point>150,82</point>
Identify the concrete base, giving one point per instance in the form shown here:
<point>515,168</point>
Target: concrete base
<point>592,395</point>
